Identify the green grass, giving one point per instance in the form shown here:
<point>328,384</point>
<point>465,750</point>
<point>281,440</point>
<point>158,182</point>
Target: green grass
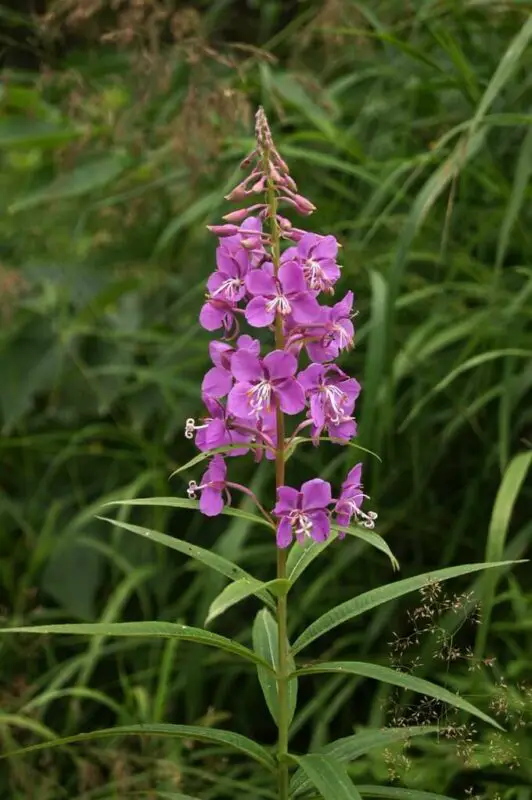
<point>410,131</point>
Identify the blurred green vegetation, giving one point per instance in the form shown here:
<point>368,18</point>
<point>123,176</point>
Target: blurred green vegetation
<point>409,126</point>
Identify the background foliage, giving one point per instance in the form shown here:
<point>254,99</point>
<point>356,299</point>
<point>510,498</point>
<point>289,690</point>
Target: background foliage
<point>409,126</point>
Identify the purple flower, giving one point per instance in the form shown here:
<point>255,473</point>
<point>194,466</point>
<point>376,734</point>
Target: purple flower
<point>335,331</point>
<point>317,257</point>
<point>227,282</point>
<point>219,429</point>
<point>351,498</point>
<point>285,294</point>
<point>332,396</point>
<point>212,487</point>
<point>260,382</point>
<point>303,513</point>
<point>218,313</point>
<point>219,380</point>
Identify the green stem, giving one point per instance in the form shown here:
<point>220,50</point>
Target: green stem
<point>282,605</point>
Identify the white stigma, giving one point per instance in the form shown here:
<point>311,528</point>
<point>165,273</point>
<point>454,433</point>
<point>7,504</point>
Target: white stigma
<point>260,396</point>
<point>190,427</point>
<point>366,519</point>
<point>192,489</point>
<point>279,303</point>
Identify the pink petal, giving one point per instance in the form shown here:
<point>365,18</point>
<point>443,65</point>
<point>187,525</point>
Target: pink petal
<point>291,396</point>
<point>287,500</point>
<point>259,282</point>
<point>246,367</point>
<point>284,533</point>
<point>292,279</point>
<point>316,494</point>
<point>311,377</point>
<point>305,308</point>
<point>257,314</point>
<point>238,400</point>
<point>211,502</point>
<point>321,526</point>
<point>279,365</point>
<point>217,382</point>
<point>211,318</point>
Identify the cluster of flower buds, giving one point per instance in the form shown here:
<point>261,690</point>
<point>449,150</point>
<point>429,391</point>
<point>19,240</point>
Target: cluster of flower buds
<point>263,282</point>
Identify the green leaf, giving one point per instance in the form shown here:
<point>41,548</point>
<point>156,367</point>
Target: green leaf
<point>395,793</point>
<point>395,678</point>
<point>376,597</point>
<point>182,502</point>
<point>370,537</point>
<point>80,181</point>
<point>328,776</point>
<point>207,557</point>
<point>302,555</point>
<point>146,630</point>
<point>358,744</point>
<point>212,735</point>
<point>209,453</point>
<point>501,516</point>
<point>239,590</point>
<point>523,171</point>
<point>266,644</point>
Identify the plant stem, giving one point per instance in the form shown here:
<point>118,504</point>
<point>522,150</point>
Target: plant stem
<point>282,605</point>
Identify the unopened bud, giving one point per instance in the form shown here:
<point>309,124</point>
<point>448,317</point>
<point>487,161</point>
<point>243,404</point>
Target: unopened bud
<point>260,186</point>
<point>242,213</point>
<point>303,205</point>
<point>223,230</point>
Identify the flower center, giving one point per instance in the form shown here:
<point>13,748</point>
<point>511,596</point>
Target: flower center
<point>260,396</point>
<point>314,275</point>
<point>334,400</point>
<point>229,288</point>
<point>279,303</point>
<point>301,523</point>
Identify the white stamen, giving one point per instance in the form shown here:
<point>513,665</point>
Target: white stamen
<point>279,303</point>
<point>364,518</point>
<point>260,396</point>
<point>301,523</point>
<point>314,275</point>
<point>229,288</point>
<point>344,337</point>
<point>334,401</point>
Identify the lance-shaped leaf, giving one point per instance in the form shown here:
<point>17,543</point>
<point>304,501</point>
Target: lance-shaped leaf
<point>146,630</point>
<point>396,793</point>
<point>358,744</point>
<point>383,594</point>
<point>193,505</point>
<point>240,590</point>
<point>265,636</point>
<point>211,735</point>
<point>328,776</point>
<point>395,678</point>
<point>207,557</point>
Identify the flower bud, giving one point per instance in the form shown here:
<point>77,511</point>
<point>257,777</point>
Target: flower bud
<point>223,230</point>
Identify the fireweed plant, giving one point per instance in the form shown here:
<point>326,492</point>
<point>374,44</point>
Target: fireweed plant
<point>272,276</point>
